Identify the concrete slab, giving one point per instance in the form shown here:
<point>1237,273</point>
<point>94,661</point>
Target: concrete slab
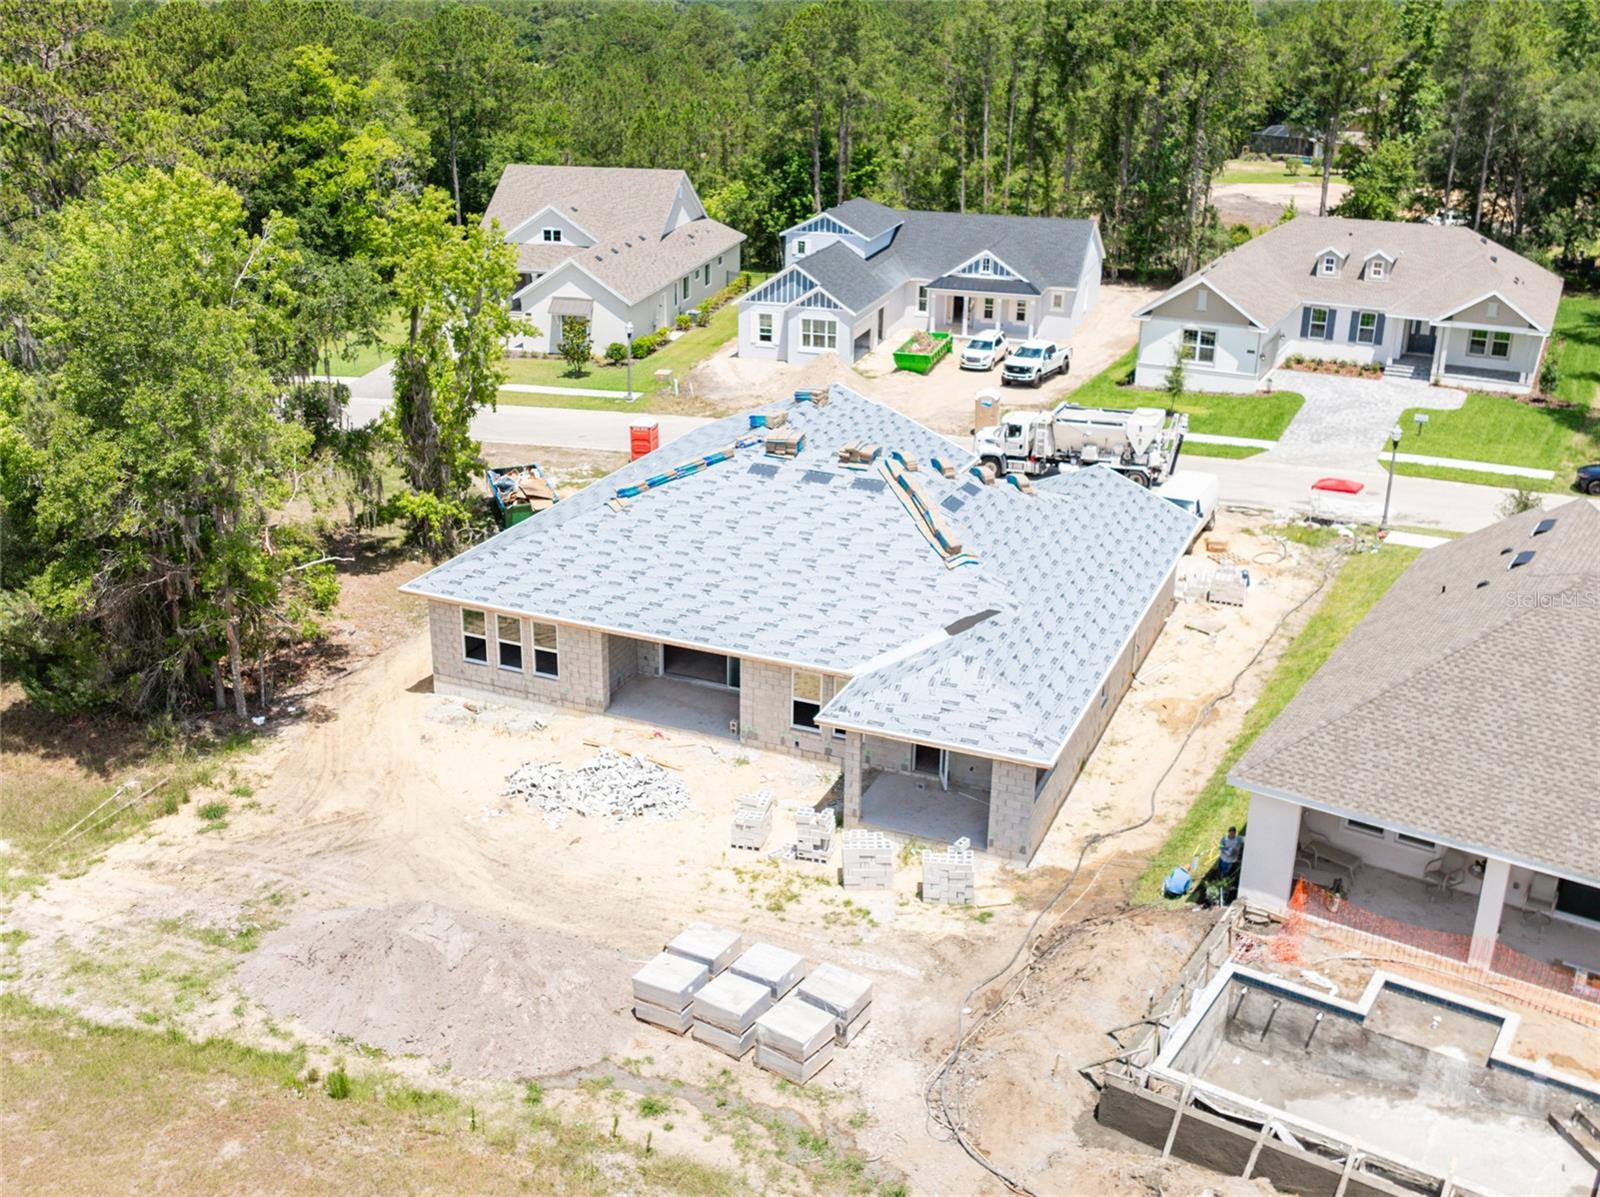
<point>795,1028</point>
<point>669,981</point>
<point>670,702</point>
<point>913,805</point>
<point>777,968</point>
<point>841,993</point>
<point>714,947</point>
<point>732,1002</point>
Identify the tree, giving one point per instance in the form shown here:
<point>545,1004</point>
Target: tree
<point>158,454</point>
<point>1383,183</point>
<point>1339,55</point>
<point>452,284</point>
<point>575,348</point>
<point>1175,379</point>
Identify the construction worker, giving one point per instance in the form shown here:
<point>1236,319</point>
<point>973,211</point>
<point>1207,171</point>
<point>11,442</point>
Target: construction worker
<point>1229,851</point>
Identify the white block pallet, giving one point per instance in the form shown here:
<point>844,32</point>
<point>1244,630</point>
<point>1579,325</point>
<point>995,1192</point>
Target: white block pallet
<point>950,876</point>
<point>724,1041</point>
<point>795,1039</point>
<point>777,968</point>
<point>868,859</point>
<point>713,947</point>
<point>813,834</point>
<point>845,996</point>
<point>669,981</point>
<point>752,821</point>
<point>732,1003</point>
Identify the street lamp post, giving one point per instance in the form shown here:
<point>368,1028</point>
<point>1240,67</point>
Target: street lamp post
<point>1388,490</point>
<point>627,331</point>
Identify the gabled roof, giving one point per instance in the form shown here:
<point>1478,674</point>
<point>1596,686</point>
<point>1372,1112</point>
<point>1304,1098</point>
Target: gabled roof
<point>808,564</point>
<point>1461,708</point>
<point>625,210</point>
<point>842,273</point>
<point>1437,270</point>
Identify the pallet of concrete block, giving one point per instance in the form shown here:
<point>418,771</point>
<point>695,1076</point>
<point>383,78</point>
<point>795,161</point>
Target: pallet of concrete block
<point>725,1012</point>
<point>714,947</point>
<point>845,995</point>
<point>752,821</point>
<point>868,859</point>
<point>1230,584</point>
<point>795,1039</point>
<point>777,968</point>
<point>813,834</point>
<point>664,989</point>
<point>950,876</point>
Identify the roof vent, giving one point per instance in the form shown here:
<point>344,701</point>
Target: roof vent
<point>1521,558</point>
<point>1481,584</point>
<point>1543,526</point>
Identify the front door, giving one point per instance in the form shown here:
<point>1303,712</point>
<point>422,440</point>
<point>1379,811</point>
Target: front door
<point>958,308</point>
<point>1420,337</point>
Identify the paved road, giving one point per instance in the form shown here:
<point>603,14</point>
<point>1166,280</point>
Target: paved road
<point>1252,482</point>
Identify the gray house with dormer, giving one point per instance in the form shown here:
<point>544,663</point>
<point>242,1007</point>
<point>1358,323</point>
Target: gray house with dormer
<point>862,273</point>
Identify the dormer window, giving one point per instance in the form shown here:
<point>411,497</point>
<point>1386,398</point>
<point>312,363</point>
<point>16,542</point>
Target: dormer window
<point>799,248</point>
<point>1329,266</point>
<point>1376,269</point>
<point>552,235</point>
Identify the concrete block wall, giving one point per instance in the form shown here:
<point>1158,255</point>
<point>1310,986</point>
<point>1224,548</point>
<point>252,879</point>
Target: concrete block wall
<point>1011,801</point>
<point>765,712</point>
<point>583,682</point>
<point>622,661</point>
<point>853,780</point>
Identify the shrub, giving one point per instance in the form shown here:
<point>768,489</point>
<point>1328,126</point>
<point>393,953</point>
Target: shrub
<point>575,346</point>
<point>684,321</point>
<point>211,812</point>
<point>534,1094</point>
<point>653,1107</point>
<point>338,1084</point>
<point>1550,372</point>
<point>617,352</point>
<point>644,346</point>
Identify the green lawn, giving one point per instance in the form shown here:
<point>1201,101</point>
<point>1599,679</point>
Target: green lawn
<point>1193,448</point>
<point>1499,429</point>
<point>354,360</point>
<point>1262,417</point>
<point>1474,477</point>
<point>1361,581</point>
<point>1271,172</point>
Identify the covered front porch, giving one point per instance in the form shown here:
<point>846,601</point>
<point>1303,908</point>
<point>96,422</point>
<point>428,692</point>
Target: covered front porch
<point>966,307</point>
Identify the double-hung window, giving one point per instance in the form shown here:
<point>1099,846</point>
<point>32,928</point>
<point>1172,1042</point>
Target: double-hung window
<point>1022,311</point>
<point>764,328</point>
<point>1484,343</point>
<point>508,635</point>
<point>707,281</point>
<point>546,652</point>
<point>805,700</point>
<point>800,248</point>
<point>686,287</point>
<point>1317,329</point>
<point>1366,328</point>
<point>1057,299</point>
<point>922,299</point>
<point>474,636</point>
<point>1330,264</point>
<point>1376,268</point>
<point>818,334</point>
<point>988,309</point>
<point>1200,345</point>
<point>552,235</point>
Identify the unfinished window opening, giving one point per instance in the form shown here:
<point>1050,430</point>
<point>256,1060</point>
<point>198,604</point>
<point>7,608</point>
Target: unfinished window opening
<point>926,759</point>
<point>508,635</point>
<point>1364,828</point>
<point>805,700</point>
<point>546,654</point>
<point>474,636</point>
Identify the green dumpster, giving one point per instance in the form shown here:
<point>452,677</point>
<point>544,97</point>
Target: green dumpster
<point>921,360</point>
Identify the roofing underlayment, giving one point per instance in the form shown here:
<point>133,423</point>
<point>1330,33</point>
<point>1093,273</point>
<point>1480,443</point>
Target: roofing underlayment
<point>809,563</point>
<point>1461,708</point>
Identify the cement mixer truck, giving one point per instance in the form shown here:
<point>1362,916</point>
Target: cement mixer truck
<point>1140,443</point>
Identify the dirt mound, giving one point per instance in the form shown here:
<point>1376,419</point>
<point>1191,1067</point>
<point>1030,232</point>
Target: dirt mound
<point>490,998</point>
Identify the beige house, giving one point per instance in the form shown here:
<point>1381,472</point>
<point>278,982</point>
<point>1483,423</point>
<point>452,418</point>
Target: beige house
<point>1436,303</point>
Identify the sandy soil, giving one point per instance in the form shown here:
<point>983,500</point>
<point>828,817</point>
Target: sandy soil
<point>943,399</point>
<point>419,911</point>
<point>1264,203</point>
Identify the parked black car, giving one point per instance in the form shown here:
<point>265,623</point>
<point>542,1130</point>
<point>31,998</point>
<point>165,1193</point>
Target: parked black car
<point>1589,479</point>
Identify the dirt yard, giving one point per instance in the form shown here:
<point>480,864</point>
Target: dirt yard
<point>371,895</point>
<point>942,399</point>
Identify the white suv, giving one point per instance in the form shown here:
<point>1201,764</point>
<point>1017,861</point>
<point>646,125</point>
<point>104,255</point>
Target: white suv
<point>1034,361</point>
<point>985,351</point>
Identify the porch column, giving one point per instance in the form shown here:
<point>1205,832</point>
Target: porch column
<point>1439,335</point>
<point>1266,878</point>
<point>966,313</point>
<point>1491,901</point>
<point>852,778</point>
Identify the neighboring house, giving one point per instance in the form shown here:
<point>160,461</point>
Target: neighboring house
<point>1286,141</point>
<point>1424,301</point>
<point>957,669</point>
<point>611,245</point>
<point>861,273</point>
<point>1453,733</point>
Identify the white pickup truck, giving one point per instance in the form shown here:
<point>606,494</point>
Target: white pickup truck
<point>1034,361</point>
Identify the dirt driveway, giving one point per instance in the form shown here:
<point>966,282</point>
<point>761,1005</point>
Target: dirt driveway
<point>409,907</point>
<point>943,399</point>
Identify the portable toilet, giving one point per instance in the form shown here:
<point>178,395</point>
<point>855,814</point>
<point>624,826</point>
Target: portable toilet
<point>644,436</point>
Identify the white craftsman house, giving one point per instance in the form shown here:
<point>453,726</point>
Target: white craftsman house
<point>1424,301</point>
<point>611,245</point>
<point>861,273</point>
<point>1439,771</point>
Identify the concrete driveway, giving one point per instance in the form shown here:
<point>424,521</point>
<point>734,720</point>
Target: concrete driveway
<point>1345,422</point>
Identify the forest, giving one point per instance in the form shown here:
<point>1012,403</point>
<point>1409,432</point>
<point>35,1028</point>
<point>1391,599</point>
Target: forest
<point>201,202</point>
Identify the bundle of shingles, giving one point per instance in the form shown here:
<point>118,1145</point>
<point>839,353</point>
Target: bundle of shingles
<point>613,785</point>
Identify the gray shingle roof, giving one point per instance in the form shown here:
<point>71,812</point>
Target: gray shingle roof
<point>1462,712</point>
<point>624,209</point>
<point>1436,271</point>
<point>845,275</point>
<point>810,564</point>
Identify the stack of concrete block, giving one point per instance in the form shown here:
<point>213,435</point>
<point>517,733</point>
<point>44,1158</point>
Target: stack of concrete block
<point>777,968</point>
<point>664,989</point>
<point>813,834</point>
<point>752,821</point>
<point>949,876</point>
<point>845,995</point>
<point>795,1039</point>
<point>725,1012</point>
<point>714,947</point>
<point>868,859</point>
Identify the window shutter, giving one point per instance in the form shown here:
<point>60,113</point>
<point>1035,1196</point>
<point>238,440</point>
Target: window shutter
<point>1333,319</point>
<point>1355,326</point>
<point>1377,333</point>
<point>1305,322</point>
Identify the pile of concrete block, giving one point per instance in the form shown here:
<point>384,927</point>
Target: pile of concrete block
<point>714,947</point>
<point>664,989</point>
<point>868,859</point>
<point>949,876</point>
<point>725,1012</point>
<point>777,968</point>
<point>795,1039</point>
<point>752,821</point>
<point>614,785</point>
<point>813,834</point>
<point>845,995</point>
